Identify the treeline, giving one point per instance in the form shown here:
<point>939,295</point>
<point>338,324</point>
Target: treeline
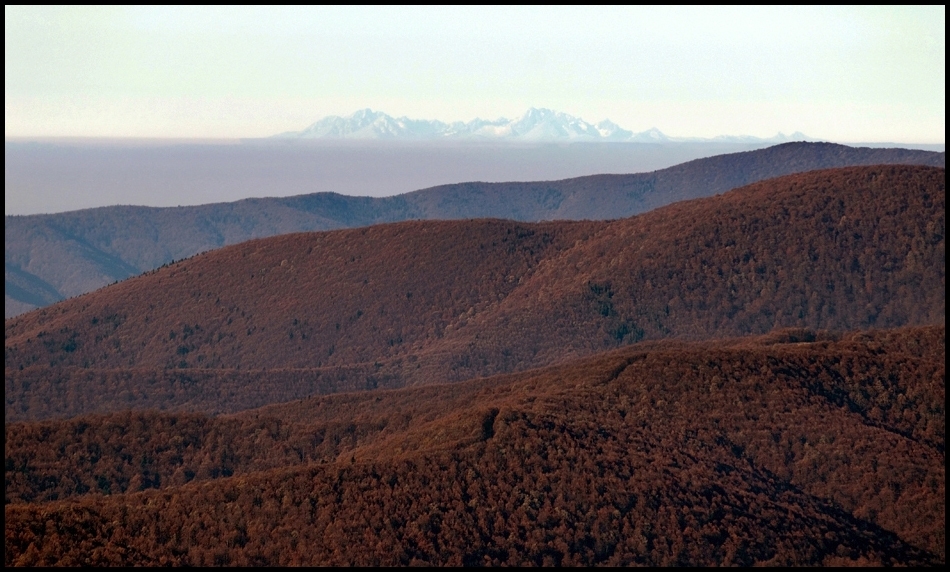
<point>800,447</point>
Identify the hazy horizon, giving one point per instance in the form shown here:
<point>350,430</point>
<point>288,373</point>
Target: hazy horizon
<point>46,177</point>
<point>834,73</point>
<point>117,92</point>
<point>58,175</point>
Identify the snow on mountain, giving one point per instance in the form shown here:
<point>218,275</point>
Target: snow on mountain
<point>653,135</point>
<point>545,124</point>
<point>536,125</point>
<point>369,124</point>
<point>612,132</point>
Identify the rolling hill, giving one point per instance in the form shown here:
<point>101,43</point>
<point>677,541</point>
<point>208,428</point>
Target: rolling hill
<point>752,378</point>
<point>433,301</point>
<point>51,257</point>
<point>796,448</point>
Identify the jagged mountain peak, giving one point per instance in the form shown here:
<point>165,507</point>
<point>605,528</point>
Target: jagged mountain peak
<point>538,124</point>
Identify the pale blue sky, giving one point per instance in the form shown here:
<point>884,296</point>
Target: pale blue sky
<point>841,74</point>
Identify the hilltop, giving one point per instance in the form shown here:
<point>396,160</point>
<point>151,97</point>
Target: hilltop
<point>429,301</point>
<point>52,257</point>
<point>752,378</point>
<point>797,448</point>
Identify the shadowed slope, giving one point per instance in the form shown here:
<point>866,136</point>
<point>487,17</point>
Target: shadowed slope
<point>421,302</point>
<point>836,249</point>
<point>795,448</point>
<point>79,251</point>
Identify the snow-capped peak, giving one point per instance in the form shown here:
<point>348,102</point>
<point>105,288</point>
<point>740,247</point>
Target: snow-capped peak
<point>536,124</point>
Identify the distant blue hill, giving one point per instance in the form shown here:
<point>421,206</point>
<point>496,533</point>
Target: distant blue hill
<point>53,256</point>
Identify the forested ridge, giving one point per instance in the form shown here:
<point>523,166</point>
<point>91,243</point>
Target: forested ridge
<point>801,447</point>
<point>426,302</point>
<point>56,256</point>
<point>754,378</point>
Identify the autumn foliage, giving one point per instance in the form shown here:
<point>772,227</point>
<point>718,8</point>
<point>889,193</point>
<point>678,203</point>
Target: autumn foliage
<point>427,302</point>
<point>773,450</point>
<point>753,378</point>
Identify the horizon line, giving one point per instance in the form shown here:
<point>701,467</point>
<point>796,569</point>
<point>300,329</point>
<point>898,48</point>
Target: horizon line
<point>501,142</point>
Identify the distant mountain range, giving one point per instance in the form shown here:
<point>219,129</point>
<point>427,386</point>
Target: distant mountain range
<point>418,302</point>
<point>51,257</point>
<point>536,125</point>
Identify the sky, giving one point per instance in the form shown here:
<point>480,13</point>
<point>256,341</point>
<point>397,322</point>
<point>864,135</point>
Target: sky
<point>845,74</point>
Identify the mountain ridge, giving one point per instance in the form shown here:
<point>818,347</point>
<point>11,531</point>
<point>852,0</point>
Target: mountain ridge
<point>536,125</point>
<point>752,378</point>
<point>423,301</point>
<point>798,447</point>
<point>80,251</point>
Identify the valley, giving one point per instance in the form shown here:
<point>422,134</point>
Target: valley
<point>755,377</point>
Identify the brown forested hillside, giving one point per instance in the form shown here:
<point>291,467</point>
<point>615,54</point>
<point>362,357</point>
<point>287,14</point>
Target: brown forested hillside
<point>422,302</point>
<point>799,447</point>
<point>49,257</point>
